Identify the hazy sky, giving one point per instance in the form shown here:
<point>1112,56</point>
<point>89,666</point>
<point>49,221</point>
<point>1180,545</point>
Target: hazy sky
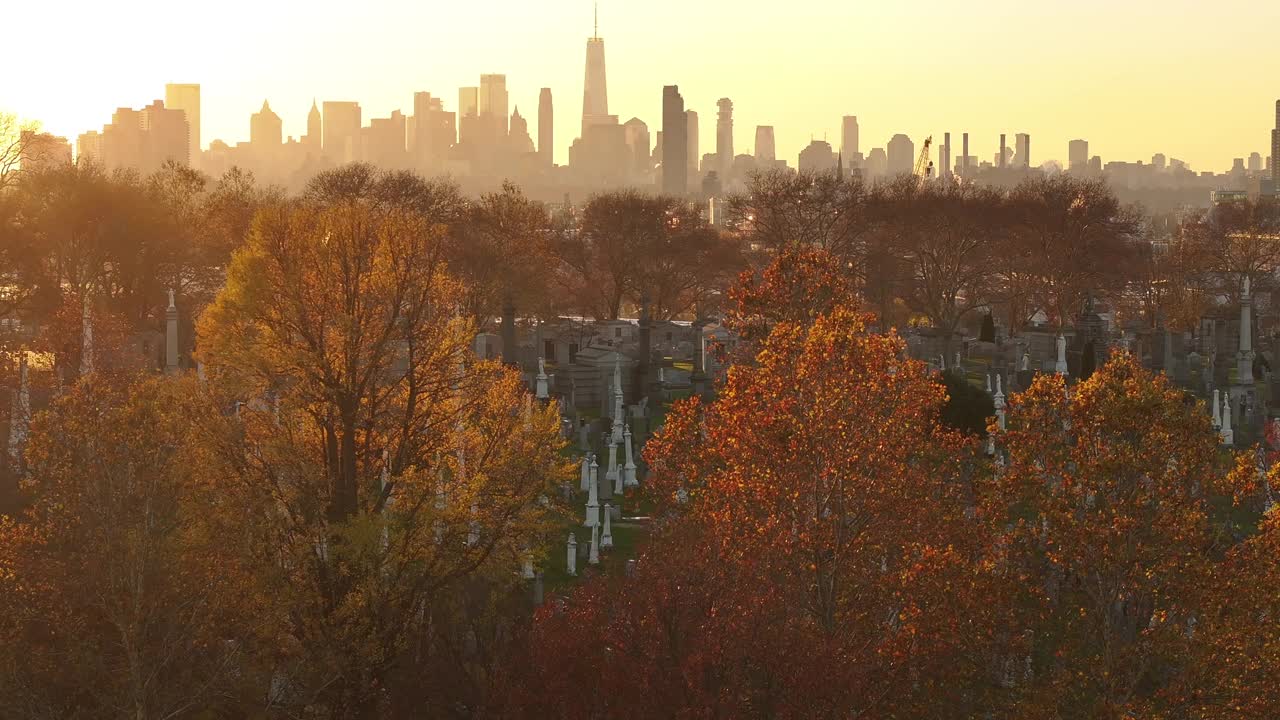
<point>1194,79</point>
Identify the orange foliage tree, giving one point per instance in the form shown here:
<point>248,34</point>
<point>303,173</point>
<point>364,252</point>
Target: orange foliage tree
<point>818,498</point>
<point>381,469</point>
<point>799,285</point>
<point>1102,519</point>
<point>119,594</point>
<point>1235,668</point>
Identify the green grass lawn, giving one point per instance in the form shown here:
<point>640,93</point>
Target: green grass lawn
<point>626,539</point>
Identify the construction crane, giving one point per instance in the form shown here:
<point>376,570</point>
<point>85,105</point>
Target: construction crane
<point>924,168</point>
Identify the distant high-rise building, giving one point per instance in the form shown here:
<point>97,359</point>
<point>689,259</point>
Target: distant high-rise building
<point>877,164</point>
<point>965,147</point>
<point>89,148</point>
<point>493,106</point>
<point>1022,145</point>
<point>595,89</point>
<point>518,139</point>
<point>419,143</point>
<point>1255,162</point>
<point>1159,161</point>
<point>122,139</point>
<point>432,131</point>
<point>902,151</point>
<point>383,142</point>
<point>849,138</point>
<point>636,134</point>
<point>468,115</point>
<point>468,101</point>
<point>675,138</point>
<point>142,139</point>
<point>1078,155</point>
<point>342,125</point>
<point>818,157</point>
<point>724,138</point>
<point>166,136</point>
<point>315,126</point>
<point>1004,152</point>
<point>766,151</point>
<point>944,157</point>
<point>186,97</point>
<point>546,128</point>
<point>691,140</point>
<point>265,129</point>
<point>1275,150</point>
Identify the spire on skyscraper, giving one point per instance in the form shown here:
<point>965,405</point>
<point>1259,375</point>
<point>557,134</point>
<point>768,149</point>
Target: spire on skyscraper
<point>595,93</point>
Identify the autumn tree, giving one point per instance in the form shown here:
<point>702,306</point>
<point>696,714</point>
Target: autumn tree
<point>817,497</point>
<point>382,467</point>
<point>1102,515</point>
<point>119,595</point>
<point>781,208</point>
<point>502,250</point>
<point>793,479</point>
<point>630,245</point>
<point>1234,666</point>
<point>119,239</point>
<point>1167,284</point>
<point>1234,240</point>
<point>1068,238</point>
<point>798,286</point>
<point>945,237</point>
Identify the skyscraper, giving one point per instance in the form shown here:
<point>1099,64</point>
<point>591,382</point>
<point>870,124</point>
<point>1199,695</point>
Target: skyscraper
<point>675,139</point>
<point>595,92</point>
<point>1022,148</point>
<point>468,115</point>
<point>724,138</point>
<point>167,136</point>
<point>518,140</point>
<point>964,142</point>
<point>546,128</point>
<point>1000,159</point>
<point>849,138</point>
<point>1078,155</point>
<point>314,126</point>
<point>944,157</point>
<point>818,157</point>
<point>902,152</point>
<point>432,131</point>
<point>691,140</point>
<point>186,97</point>
<point>468,101</point>
<point>636,134</point>
<point>342,131</point>
<point>493,106</point>
<point>383,142</point>
<point>420,142</point>
<point>766,151</point>
<point>265,129</point>
<point>1275,150</point>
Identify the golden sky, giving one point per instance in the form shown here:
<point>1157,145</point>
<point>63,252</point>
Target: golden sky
<point>1193,79</point>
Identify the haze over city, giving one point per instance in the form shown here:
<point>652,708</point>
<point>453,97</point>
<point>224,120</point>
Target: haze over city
<point>551,360</point>
<point>1135,78</point>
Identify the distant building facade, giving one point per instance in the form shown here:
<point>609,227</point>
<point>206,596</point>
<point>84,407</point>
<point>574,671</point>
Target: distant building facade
<point>675,143</point>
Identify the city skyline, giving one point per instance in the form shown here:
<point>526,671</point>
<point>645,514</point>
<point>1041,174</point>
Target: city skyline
<point>891,90</point>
